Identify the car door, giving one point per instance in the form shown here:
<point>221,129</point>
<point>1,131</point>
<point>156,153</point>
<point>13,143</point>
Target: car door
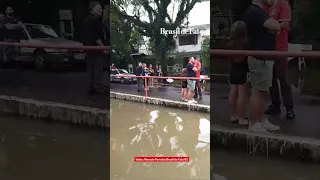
<point>26,52</point>
<point>112,76</point>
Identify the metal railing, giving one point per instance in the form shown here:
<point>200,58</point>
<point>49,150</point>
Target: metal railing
<point>158,77</point>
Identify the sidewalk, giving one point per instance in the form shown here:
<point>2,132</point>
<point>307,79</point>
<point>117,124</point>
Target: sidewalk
<point>306,124</point>
<point>164,92</point>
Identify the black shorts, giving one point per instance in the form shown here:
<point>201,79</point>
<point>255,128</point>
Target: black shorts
<point>238,74</point>
<point>184,84</point>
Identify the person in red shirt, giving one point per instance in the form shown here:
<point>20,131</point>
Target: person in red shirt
<point>281,11</point>
<point>197,90</point>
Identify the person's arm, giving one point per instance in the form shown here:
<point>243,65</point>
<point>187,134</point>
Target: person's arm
<point>261,18</point>
<point>97,32</point>
<point>285,15</point>
<point>11,26</point>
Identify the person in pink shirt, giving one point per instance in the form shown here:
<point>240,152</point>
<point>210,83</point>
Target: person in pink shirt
<point>197,90</point>
<point>281,11</point>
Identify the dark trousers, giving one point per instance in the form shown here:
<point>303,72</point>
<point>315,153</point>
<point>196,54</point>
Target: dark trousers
<point>197,89</point>
<point>95,71</point>
<point>140,82</point>
<point>280,71</point>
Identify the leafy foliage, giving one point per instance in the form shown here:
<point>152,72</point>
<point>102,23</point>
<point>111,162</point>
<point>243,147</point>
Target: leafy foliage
<point>125,38</point>
<point>205,53</point>
<point>158,17</point>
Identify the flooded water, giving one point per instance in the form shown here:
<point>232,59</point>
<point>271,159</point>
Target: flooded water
<point>233,166</point>
<point>36,150</point>
<point>145,130</point>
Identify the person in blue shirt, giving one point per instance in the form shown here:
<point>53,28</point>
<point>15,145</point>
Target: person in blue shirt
<point>191,71</point>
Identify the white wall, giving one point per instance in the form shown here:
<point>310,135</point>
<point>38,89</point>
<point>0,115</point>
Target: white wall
<point>194,47</point>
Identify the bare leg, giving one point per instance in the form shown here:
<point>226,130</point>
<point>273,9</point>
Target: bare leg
<point>255,103</point>
<point>241,103</point>
<point>232,99</point>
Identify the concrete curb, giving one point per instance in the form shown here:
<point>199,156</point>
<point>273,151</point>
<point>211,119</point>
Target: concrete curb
<point>78,115</point>
<point>270,144</point>
<point>161,102</point>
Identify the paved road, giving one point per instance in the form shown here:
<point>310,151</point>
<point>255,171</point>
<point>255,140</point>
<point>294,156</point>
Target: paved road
<point>71,88</point>
<point>65,87</point>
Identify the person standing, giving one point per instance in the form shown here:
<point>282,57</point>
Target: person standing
<point>281,11</point>
<point>146,74</point>
<point>191,82</point>
<point>260,30</point>
<point>151,74</point>
<point>93,36</point>
<point>139,72</point>
<point>12,33</point>
<point>157,73</point>
<point>197,90</point>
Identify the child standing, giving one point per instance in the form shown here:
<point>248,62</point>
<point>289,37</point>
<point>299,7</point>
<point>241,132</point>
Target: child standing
<point>238,75</point>
<point>184,85</point>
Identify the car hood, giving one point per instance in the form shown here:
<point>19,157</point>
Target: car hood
<point>127,74</point>
<point>56,41</point>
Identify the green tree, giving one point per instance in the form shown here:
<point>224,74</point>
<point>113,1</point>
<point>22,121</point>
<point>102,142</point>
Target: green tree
<point>124,37</point>
<point>205,53</point>
<point>158,17</point>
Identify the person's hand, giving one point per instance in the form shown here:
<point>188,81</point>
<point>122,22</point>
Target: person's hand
<point>20,24</point>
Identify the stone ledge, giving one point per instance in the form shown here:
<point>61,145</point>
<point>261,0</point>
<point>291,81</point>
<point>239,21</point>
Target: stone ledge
<point>161,102</point>
<point>79,115</point>
<point>270,144</point>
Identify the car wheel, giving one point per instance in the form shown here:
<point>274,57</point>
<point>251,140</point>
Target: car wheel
<point>122,80</point>
<point>39,60</point>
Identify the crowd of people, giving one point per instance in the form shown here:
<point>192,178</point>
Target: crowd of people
<point>190,88</point>
<point>265,26</point>
<point>144,70</point>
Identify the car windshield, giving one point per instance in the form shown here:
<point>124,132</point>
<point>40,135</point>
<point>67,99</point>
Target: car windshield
<point>41,31</point>
<point>123,71</point>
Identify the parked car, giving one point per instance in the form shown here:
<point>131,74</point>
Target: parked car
<point>41,57</point>
<point>117,76</point>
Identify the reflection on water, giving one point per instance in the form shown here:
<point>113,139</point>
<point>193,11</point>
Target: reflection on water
<point>35,150</point>
<point>145,130</point>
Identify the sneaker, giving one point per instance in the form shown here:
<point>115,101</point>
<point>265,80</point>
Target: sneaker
<point>273,110</point>
<point>191,102</point>
<point>269,126</point>
<point>194,101</point>
<point>290,114</point>
<point>243,121</point>
<point>257,127</point>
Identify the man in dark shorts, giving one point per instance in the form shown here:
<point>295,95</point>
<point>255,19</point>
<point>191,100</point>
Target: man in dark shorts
<point>93,36</point>
<point>191,82</point>
<point>261,36</point>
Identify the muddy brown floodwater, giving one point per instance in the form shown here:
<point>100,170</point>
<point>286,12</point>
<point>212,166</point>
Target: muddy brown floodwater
<point>35,150</point>
<point>145,130</point>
